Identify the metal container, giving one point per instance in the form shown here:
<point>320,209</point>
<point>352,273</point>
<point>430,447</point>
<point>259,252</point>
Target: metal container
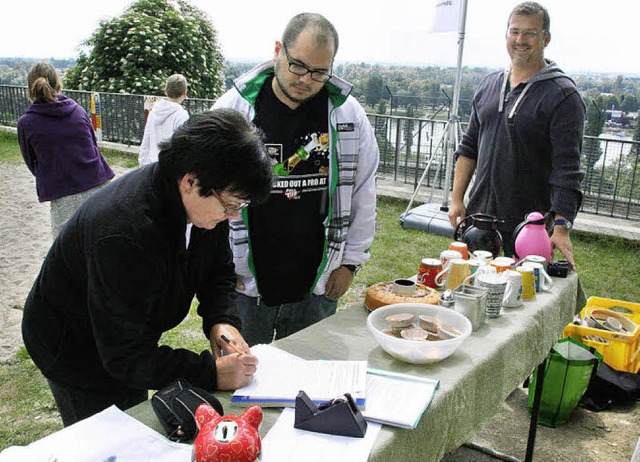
<point>446,299</point>
<point>471,301</point>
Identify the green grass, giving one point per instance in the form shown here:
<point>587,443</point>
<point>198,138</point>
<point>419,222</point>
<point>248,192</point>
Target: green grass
<point>10,152</point>
<point>608,267</point>
<point>27,408</point>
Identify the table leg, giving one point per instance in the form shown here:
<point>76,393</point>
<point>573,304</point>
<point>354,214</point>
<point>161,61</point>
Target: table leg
<point>533,423</point>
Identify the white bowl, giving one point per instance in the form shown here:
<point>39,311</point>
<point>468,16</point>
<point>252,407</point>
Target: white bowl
<point>418,351</point>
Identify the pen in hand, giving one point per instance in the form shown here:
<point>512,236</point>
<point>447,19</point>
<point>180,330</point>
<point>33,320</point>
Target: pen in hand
<point>228,342</point>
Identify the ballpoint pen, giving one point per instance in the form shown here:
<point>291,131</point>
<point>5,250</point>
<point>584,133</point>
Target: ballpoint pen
<point>228,342</point>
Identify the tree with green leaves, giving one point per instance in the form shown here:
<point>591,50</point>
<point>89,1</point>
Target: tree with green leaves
<point>151,40</point>
<point>373,90</point>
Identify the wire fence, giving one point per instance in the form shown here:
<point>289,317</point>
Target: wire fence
<point>411,149</point>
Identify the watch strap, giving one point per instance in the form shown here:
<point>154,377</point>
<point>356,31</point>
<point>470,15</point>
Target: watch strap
<point>566,224</point>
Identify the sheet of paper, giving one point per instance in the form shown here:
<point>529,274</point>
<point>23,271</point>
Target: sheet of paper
<point>280,377</point>
<point>284,443</point>
<point>110,435</point>
<point>397,399</point>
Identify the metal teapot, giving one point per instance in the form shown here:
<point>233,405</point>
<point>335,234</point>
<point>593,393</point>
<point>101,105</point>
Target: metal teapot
<point>480,232</point>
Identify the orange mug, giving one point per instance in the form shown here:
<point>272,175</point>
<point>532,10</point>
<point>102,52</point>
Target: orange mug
<point>460,247</point>
<point>503,263</point>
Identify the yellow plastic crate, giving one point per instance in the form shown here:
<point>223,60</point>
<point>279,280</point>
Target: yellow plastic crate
<point>608,303</point>
<point>621,351</point>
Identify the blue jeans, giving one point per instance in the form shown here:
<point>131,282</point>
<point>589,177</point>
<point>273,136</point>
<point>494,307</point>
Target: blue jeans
<point>260,322</point>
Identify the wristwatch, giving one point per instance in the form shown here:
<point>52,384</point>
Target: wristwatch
<point>355,269</point>
<point>564,223</point>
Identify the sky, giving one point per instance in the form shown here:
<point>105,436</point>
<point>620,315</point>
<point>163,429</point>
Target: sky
<point>586,35</point>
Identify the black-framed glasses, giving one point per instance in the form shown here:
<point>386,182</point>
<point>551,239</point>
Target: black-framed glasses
<point>229,210</point>
<point>300,69</point>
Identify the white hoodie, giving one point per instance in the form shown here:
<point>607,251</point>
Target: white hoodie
<point>165,117</point>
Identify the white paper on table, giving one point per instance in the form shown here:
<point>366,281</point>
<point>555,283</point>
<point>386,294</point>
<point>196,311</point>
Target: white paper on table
<point>397,399</point>
<point>392,398</point>
<point>284,443</point>
<point>280,376</point>
<point>110,435</point>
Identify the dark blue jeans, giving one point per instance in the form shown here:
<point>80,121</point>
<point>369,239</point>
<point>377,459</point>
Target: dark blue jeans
<point>261,322</point>
<point>76,404</point>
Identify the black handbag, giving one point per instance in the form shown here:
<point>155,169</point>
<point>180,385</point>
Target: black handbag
<point>176,404</point>
<point>609,386</point>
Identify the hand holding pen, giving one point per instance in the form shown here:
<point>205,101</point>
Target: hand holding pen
<point>228,342</point>
<point>226,338</point>
<point>234,370</point>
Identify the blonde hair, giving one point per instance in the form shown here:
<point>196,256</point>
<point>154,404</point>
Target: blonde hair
<point>44,83</point>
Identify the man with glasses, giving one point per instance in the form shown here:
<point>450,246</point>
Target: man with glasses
<point>297,254</point>
<point>123,271</point>
<point>524,138</point>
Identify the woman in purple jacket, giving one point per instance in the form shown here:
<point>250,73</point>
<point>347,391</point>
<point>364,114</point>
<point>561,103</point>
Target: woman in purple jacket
<point>59,146</point>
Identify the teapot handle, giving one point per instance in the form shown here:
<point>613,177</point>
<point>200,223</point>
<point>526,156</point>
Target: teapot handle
<point>457,234</point>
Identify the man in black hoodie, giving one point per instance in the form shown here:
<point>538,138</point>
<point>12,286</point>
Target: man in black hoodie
<point>524,138</point>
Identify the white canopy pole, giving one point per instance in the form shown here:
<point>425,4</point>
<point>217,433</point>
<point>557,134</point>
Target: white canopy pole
<point>453,125</point>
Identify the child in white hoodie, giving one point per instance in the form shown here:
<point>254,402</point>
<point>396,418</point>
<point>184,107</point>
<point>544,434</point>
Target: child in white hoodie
<point>165,117</point>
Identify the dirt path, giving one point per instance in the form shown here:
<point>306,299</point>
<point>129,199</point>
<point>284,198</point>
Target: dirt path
<point>25,239</point>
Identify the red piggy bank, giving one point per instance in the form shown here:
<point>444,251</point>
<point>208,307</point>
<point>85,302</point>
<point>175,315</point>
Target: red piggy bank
<point>228,438</point>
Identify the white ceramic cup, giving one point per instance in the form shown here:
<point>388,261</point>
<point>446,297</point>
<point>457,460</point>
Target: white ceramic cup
<point>482,269</point>
<point>483,255</point>
<point>447,255</point>
<point>513,297</point>
<point>536,259</point>
<point>542,278</point>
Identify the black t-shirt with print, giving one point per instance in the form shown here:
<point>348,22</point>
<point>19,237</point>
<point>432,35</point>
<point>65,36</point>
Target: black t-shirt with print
<point>287,232</point>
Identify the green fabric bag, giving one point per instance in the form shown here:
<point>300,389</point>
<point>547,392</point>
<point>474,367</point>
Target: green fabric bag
<point>568,370</point>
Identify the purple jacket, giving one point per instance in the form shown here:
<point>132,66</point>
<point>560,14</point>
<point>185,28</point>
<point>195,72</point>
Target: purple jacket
<point>59,147</point>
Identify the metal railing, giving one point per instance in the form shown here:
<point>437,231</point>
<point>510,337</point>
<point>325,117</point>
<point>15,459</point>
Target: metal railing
<point>123,115</point>
<point>407,145</point>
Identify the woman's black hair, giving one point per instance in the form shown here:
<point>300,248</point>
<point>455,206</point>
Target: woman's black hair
<point>223,151</point>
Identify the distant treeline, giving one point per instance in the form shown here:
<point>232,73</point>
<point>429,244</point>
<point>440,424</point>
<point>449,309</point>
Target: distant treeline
<point>402,90</point>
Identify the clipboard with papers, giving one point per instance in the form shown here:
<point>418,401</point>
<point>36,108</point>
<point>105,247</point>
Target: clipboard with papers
<point>281,376</point>
<point>386,397</point>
